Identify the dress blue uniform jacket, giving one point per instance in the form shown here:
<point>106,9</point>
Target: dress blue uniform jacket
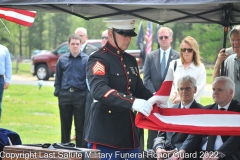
<point>115,83</point>
<point>14,137</point>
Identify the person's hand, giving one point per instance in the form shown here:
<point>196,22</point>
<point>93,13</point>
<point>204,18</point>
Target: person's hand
<point>160,152</point>
<point>177,99</point>
<point>221,56</point>
<point>178,155</point>
<point>142,106</point>
<point>6,85</point>
<point>158,100</point>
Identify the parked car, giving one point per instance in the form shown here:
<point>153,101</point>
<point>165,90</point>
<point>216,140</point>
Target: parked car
<point>44,64</point>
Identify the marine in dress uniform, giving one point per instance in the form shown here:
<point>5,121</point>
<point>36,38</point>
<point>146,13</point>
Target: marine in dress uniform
<point>118,90</point>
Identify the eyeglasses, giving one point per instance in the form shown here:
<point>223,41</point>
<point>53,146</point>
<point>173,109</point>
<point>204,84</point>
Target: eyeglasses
<point>81,35</point>
<point>186,89</point>
<point>189,50</point>
<point>165,37</point>
<point>104,37</point>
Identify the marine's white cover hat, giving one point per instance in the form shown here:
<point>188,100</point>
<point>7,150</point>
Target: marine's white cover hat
<point>122,26</point>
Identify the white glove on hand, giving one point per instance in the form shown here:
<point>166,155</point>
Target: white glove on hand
<point>160,101</point>
<point>142,106</point>
<point>154,99</point>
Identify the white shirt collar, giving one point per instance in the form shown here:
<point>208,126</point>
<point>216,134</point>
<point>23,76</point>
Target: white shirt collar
<point>225,107</point>
<point>83,46</point>
<point>187,106</point>
<point>167,51</point>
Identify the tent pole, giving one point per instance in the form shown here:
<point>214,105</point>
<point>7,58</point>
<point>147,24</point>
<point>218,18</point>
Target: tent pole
<point>224,46</point>
<point>227,11</point>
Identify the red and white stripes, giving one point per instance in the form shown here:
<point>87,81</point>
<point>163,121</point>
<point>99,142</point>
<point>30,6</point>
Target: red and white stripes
<point>22,17</point>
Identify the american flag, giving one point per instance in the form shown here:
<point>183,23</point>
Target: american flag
<point>22,17</point>
<point>191,121</point>
<point>149,37</point>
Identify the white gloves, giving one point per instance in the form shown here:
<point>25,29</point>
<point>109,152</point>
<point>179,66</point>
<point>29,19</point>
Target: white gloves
<point>142,106</point>
<point>161,101</point>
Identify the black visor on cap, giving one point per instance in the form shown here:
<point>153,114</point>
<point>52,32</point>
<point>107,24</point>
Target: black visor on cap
<point>129,33</point>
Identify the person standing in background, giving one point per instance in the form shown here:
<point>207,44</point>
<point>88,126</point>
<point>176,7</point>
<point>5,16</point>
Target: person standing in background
<point>104,37</point>
<point>5,70</point>
<point>188,64</point>
<point>156,66</point>
<point>85,46</point>
<point>231,63</point>
<point>87,49</point>
<point>71,90</point>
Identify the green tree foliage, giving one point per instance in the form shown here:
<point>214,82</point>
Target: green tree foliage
<point>51,29</point>
<point>210,39</point>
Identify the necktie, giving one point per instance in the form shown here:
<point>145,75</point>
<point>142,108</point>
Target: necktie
<point>210,143</point>
<point>212,139</point>
<point>163,64</point>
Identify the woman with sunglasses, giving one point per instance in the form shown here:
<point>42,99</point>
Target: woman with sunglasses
<point>188,64</point>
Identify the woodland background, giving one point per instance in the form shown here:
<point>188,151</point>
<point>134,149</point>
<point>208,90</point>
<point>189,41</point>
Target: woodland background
<point>51,29</point>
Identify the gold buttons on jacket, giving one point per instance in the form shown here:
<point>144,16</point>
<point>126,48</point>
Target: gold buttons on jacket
<point>109,111</point>
<point>129,80</point>
<point>131,98</point>
<point>127,72</point>
<point>121,59</point>
<point>104,49</point>
<point>124,95</point>
<point>117,74</point>
<point>124,65</point>
<point>129,88</point>
<point>118,52</point>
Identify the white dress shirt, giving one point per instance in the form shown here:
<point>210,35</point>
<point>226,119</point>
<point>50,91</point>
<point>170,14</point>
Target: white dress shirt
<point>198,72</point>
<point>218,142</point>
<point>167,54</point>
<point>187,106</point>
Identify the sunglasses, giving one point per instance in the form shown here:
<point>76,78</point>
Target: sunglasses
<point>104,37</point>
<point>189,50</point>
<point>165,37</point>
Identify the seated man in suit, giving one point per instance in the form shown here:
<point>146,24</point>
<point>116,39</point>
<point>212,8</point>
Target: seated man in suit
<point>217,147</point>
<point>174,141</point>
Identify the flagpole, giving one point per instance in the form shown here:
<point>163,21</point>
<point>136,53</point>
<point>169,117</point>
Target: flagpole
<point>5,26</point>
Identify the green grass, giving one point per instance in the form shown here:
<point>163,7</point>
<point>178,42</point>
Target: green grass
<point>32,113</point>
<point>23,68</point>
<point>209,72</point>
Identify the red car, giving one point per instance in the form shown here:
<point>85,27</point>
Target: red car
<point>44,63</point>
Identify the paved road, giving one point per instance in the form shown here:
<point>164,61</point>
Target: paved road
<point>28,80</point>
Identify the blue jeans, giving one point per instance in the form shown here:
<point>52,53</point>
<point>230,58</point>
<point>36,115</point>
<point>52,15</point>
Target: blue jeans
<point>1,94</point>
<point>109,153</point>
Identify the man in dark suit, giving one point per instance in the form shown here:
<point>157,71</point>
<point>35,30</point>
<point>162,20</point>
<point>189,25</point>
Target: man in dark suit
<point>218,147</point>
<point>169,142</point>
<point>156,66</point>
<point>85,48</point>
